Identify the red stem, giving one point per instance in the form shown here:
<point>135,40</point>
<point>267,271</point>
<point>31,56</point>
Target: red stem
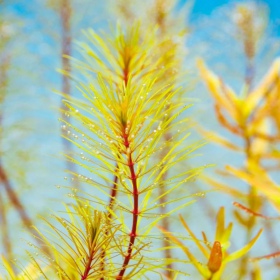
<point>125,76</point>
<point>5,234</point>
<point>135,212</point>
<point>113,192</point>
<point>114,187</point>
<point>88,266</point>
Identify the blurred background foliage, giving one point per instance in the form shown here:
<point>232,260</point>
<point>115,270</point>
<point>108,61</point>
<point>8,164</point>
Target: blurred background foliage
<point>238,41</point>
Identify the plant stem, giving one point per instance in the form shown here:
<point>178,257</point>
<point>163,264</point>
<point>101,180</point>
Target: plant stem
<point>165,221</point>
<point>20,208</point>
<point>66,49</point>
<point>111,205</point>
<point>253,204</point>
<point>114,190</point>
<point>133,233</point>
<point>88,266</point>
<point>4,65</point>
<point>5,230</point>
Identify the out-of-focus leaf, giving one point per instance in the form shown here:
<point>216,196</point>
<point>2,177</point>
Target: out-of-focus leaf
<point>223,95</point>
<point>238,254</point>
<point>8,268</point>
<point>213,137</point>
<point>220,224</point>
<point>223,233</point>
<point>197,242</point>
<point>202,269</point>
<point>259,146</point>
<point>266,85</point>
<point>259,179</point>
<point>224,188</point>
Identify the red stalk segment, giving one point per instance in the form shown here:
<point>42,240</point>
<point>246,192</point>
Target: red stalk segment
<point>113,192</point>
<point>135,211</point>
<point>88,266</point>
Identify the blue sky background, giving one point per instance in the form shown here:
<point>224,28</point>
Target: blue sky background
<point>207,7</point>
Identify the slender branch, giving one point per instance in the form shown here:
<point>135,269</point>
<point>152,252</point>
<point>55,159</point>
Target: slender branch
<point>5,230</point>
<point>165,221</point>
<point>252,201</point>
<point>111,206</point>
<point>88,266</point>
<point>20,208</point>
<point>114,190</point>
<point>4,65</point>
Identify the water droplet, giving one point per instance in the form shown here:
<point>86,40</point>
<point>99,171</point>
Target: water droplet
<point>201,194</point>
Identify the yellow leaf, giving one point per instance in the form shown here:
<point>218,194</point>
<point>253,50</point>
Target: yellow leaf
<point>220,223</point>
<point>9,268</point>
<point>266,85</point>
<point>260,180</point>
<point>223,233</point>
<point>213,137</point>
<point>224,188</point>
<point>238,254</point>
<point>202,270</point>
<point>222,94</point>
<point>259,146</point>
<point>197,242</point>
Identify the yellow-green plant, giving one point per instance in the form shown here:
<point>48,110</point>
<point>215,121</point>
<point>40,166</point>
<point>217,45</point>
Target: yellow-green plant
<point>119,122</point>
<point>247,116</point>
<point>171,37</point>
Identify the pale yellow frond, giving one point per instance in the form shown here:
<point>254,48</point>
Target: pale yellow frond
<point>223,95</point>
<point>265,87</point>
